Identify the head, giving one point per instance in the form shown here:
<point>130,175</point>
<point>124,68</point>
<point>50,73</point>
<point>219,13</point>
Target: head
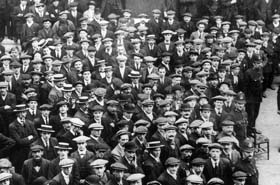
<point>215,153</point>
<point>67,170</point>
<point>37,154</point>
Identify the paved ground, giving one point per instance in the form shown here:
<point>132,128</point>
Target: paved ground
<point>268,122</point>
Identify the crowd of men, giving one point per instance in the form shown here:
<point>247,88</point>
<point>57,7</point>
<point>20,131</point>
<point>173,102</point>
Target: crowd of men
<point>117,100</point>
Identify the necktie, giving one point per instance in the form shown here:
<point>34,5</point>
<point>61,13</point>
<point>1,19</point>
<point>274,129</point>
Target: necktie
<point>47,120</point>
<point>24,69</point>
<point>10,86</point>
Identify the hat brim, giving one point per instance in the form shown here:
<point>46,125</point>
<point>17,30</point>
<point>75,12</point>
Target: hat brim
<point>20,110</point>
<point>62,148</point>
<point>44,130</point>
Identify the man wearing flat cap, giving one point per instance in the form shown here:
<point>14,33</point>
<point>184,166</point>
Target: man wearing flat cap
<point>169,176</point>
<point>117,171</point>
<point>58,26</point>
<point>36,166</point>
<point>63,160</point>
<point>65,174</point>
<point>247,162</point>
<point>130,159</point>
<point>6,167</point>
<point>95,136</point>
<point>82,155</point>
<point>216,166</point>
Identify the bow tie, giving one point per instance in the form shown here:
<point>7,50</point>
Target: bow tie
<point>37,162</point>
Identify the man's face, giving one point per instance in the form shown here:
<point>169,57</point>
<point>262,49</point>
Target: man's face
<point>239,181</point>
<point>3,90</point>
<point>206,114</point>
<point>247,155</point>
<point>170,134</point>
<point>239,106</point>
<point>87,75</point>
<point>59,84</point>
<point>46,135</point>
<point>218,104</point>
<point>215,153</point>
<point>167,36</point>
<point>123,139</point>
<point>62,154</point>
<point>201,27</point>
<point>96,133</point>
<point>98,115</point>
<point>118,174</point>
<point>156,152</point>
<point>173,169</point>
<point>8,77</point>
<point>186,154</point>
<point>37,154</point>
<point>33,105</point>
<point>148,109</point>
<point>82,146</point>
<point>207,131</point>
<point>228,130</point>
<point>198,169</point>
<point>67,170</point>
<point>130,155</point>
<point>63,109</point>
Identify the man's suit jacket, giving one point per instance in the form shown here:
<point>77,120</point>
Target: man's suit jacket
<point>6,144</point>
<point>130,167</point>
<point>28,171</point>
<point>59,180</point>
<point>91,143</point>
<point>125,77</point>
<point>155,27</point>
<point>223,172</point>
<point>50,152</point>
<point>55,169</point>
<point>166,179</point>
<point>32,117</point>
<point>83,163</point>
<point>152,169</point>
<point>145,74</point>
<point>162,47</point>
<point>54,96</point>
<point>197,35</point>
<point>75,20</point>
<point>20,134</point>
<point>117,153</point>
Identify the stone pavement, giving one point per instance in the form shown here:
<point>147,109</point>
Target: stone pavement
<point>268,122</point>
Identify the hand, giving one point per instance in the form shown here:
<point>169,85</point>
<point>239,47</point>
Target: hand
<point>7,107</point>
<point>20,15</point>
<point>30,137</point>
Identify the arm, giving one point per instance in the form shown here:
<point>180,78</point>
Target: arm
<point>15,135</point>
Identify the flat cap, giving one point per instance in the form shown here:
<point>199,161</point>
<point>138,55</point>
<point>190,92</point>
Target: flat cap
<point>36,148</point>
<point>215,146</point>
<point>100,91</point>
<point>77,122</point>
<point>215,181</point>
<point>194,179</point>
<point>154,144</point>
<point>4,176</point>
<point>239,175</point>
<point>186,147</point>
<point>171,161</point>
<point>118,166</point>
<point>198,161</point>
<point>196,123</point>
<point>228,123</point>
<point>141,130</point>
<point>81,139</point>
<point>98,163</point>
<point>181,120</point>
<point>219,98</point>
<point>206,124</point>
<point>66,163</point>
<point>96,126</point>
<point>135,177</point>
